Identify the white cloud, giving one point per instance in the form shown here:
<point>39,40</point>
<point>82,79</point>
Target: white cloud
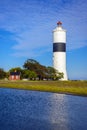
<point>32,23</point>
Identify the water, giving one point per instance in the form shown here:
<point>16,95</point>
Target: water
<point>30,110</point>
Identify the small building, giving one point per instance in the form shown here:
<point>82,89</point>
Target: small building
<point>14,76</point>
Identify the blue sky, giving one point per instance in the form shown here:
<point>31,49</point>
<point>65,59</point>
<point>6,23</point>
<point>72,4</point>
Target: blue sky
<point>26,32</point>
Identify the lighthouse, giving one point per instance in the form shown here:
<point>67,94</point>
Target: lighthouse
<point>59,50</point>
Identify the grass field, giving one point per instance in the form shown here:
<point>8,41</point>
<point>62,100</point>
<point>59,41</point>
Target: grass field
<point>67,87</point>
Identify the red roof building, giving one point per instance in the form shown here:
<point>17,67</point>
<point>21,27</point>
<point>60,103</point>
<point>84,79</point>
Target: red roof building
<point>14,76</point>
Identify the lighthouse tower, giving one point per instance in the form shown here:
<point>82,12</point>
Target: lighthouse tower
<point>59,50</point>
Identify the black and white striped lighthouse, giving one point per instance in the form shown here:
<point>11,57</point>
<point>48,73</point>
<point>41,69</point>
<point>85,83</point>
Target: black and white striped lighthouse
<point>59,50</point>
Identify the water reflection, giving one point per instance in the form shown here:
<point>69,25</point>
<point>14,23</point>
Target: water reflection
<point>29,110</point>
<point>59,114</point>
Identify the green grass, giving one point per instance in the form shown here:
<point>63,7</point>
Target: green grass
<point>67,87</point>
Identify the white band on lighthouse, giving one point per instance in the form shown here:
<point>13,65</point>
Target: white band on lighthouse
<point>59,50</point>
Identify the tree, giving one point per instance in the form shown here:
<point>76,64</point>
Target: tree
<point>31,64</point>
<point>35,66</point>
<point>17,69</point>
<point>25,73</point>
<point>59,76</point>
<point>28,74</point>
<point>51,72</point>
<point>42,71</point>
<point>2,73</point>
<point>54,74</point>
<point>32,75</point>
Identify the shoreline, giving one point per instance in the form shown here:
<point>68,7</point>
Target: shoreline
<point>76,88</point>
<point>66,93</point>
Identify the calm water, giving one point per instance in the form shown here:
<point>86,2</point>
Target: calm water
<point>29,110</point>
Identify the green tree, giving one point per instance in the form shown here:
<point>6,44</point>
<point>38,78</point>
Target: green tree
<point>28,74</point>
<point>17,69</point>
<point>32,75</point>
<point>51,72</point>
<point>59,76</point>
<point>25,73</point>
<point>42,71</point>
<point>31,64</point>
<point>54,74</point>
<point>2,73</point>
<point>35,66</point>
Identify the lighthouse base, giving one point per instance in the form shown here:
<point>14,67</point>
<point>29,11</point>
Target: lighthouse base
<point>59,63</point>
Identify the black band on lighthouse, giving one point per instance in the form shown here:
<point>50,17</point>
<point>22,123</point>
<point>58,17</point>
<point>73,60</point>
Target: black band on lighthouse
<point>59,47</point>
